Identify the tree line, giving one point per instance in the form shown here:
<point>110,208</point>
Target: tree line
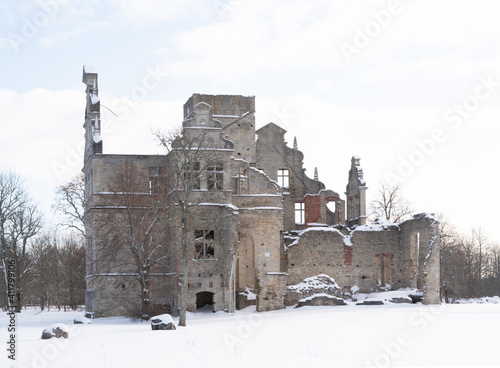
<point>470,263</point>
<point>48,266</point>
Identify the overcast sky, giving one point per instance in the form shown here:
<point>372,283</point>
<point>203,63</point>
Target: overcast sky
<point>412,87</point>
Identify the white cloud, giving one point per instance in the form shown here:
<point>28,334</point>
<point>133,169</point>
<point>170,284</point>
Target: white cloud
<point>260,38</point>
<point>4,43</point>
<point>147,11</point>
<point>287,54</point>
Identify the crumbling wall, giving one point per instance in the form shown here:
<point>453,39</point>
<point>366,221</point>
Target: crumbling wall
<point>273,155</point>
<point>317,212</point>
<point>420,245</point>
<point>260,208</point>
<point>352,260</point>
<point>272,288</point>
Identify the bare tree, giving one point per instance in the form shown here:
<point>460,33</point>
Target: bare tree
<point>19,222</point>
<point>71,264</point>
<point>42,281</point>
<point>480,239</point>
<point>191,160</point>
<point>130,225</point>
<point>390,204</point>
<point>470,266</point>
<point>491,279</point>
<point>70,203</point>
<point>56,275</point>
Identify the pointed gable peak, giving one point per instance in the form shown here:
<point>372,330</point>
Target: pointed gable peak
<point>202,106</point>
<point>272,126</point>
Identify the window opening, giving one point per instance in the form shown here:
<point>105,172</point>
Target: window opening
<point>242,182</point>
<point>204,244</point>
<point>215,176</point>
<point>284,178</point>
<point>193,175</point>
<point>156,179</point>
<point>299,212</point>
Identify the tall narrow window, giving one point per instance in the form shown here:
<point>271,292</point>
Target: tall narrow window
<point>204,244</point>
<point>156,179</point>
<point>192,175</point>
<point>284,178</point>
<point>241,181</point>
<point>416,247</point>
<point>215,176</point>
<point>299,213</point>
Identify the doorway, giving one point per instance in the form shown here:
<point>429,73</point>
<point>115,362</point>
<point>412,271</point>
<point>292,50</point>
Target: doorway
<point>205,301</point>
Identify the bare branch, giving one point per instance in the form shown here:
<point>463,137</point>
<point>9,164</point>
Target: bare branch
<point>69,202</point>
<point>390,204</point>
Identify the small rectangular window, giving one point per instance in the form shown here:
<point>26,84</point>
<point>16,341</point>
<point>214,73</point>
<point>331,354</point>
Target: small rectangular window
<point>284,178</point>
<point>299,213</point>
<point>204,244</point>
<point>215,176</point>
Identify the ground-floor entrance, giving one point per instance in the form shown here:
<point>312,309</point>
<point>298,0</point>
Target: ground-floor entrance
<point>205,300</point>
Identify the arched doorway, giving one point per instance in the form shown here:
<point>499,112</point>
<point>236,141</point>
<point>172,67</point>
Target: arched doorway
<point>205,301</point>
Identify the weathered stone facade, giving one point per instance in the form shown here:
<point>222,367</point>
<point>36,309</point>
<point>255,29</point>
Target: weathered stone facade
<point>370,257</point>
<point>261,223</point>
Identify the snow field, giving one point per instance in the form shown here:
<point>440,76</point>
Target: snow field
<point>405,335</point>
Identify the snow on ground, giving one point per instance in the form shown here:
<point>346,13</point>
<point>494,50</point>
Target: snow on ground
<point>404,335</point>
<point>386,296</point>
<point>484,299</point>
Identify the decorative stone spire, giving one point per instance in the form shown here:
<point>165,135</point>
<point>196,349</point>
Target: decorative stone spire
<point>316,176</point>
<point>356,196</point>
<point>295,143</point>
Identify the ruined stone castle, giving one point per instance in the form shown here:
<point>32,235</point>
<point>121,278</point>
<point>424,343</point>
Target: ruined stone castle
<point>274,230</point>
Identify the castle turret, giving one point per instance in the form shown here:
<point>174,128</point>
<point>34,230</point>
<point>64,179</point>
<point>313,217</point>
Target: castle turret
<point>92,125</point>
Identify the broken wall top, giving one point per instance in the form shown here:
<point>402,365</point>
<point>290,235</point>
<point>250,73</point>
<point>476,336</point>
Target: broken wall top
<point>230,105</point>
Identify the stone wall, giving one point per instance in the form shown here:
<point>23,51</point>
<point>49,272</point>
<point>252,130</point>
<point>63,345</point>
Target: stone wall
<point>119,295</point>
<point>352,260</point>
<point>237,116</point>
<point>114,296</point>
<point>102,170</point>
<point>272,288</point>
<point>273,154</point>
<point>420,255</point>
<point>371,256</point>
<point>212,275</point>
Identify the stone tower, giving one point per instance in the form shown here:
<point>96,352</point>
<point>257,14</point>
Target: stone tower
<point>356,195</point>
<point>92,124</point>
